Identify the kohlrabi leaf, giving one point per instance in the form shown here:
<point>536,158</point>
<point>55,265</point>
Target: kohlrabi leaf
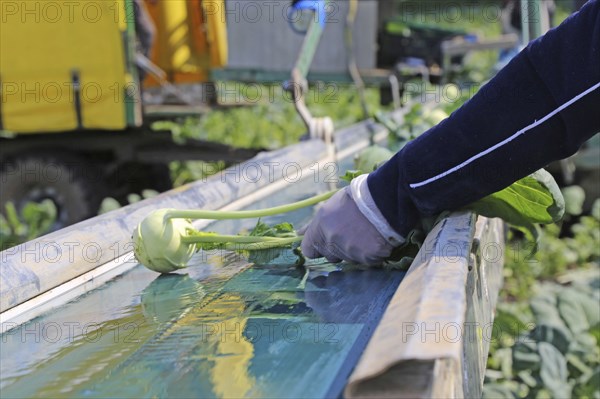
<point>559,337</point>
<point>351,174</point>
<point>578,309</point>
<point>281,230</point>
<point>265,256</point>
<point>533,199</point>
<point>557,209</point>
<point>290,255</point>
<point>553,371</point>
<point>403,255</point>
<point>525,356</point>
<point>286,254</point>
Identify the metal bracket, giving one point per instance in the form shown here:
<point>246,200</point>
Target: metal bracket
<point>321,128</point>
<point>156,72</point>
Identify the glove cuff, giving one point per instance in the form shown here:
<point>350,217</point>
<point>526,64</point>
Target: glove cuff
<point>366,205</point>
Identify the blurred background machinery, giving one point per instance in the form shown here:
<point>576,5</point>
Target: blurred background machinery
<point>82,84</point>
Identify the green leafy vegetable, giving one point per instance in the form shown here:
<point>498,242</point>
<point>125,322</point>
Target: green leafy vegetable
<point>166,240</point>
<point>351,174</point>
<point>533,199</point>
<point>403,255</point>
<point>555,353</point>
<point>159,242</point>
<point>32,221</point>
<point>281,230</point>
<point>553,371</point>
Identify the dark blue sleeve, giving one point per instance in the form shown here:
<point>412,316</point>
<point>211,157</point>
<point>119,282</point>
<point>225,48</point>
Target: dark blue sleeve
<point>540,108</point>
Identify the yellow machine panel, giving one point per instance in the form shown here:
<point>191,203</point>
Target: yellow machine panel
<point>63,65</point>
<point>191,38</point>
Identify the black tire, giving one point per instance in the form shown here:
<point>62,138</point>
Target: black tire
<point>74,185</point>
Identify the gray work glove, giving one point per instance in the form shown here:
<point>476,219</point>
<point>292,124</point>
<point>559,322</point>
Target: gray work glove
<point>350,227</point>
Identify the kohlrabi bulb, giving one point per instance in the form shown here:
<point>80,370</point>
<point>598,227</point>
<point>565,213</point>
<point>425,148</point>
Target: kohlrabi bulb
<point>158,244</point>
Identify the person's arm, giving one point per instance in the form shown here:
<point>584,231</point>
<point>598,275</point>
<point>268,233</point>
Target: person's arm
<point>540,108</point>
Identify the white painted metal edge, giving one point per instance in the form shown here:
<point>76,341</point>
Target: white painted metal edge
<point>26,311</point>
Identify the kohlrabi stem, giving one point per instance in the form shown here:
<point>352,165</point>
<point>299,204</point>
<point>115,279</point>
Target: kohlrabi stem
<point>209,238</point>
<point>220,215</point>
<point>240,245</point>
